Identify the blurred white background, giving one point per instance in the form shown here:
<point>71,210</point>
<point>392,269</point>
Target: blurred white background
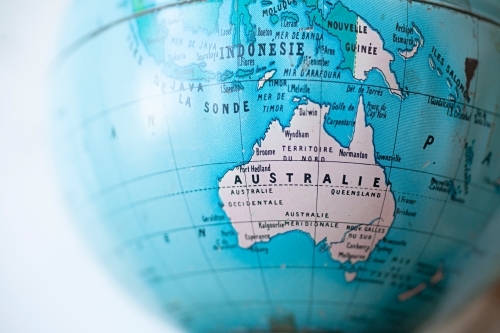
<point>49,280</point>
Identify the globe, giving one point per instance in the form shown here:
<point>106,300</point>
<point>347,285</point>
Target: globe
<point>285,166</point>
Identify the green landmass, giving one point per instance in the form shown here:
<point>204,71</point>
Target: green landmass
<point>290,16</point>
<point>339,14</point>
<point>274,19</point>
<point>138,5</point>
<point>191,72</point>
<point>241,16</point>
<point>151,34</point>
<point>226,75</point>
<point>244,72</point>
<point>311,3</point>
<point>208,9</point>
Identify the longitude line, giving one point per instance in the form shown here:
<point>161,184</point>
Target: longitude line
<point>262,275</point>
<point>311,283</point>
<point>448,197</point>
<point>157,253</point>
<point>365,264</point>
<point>205,255</point>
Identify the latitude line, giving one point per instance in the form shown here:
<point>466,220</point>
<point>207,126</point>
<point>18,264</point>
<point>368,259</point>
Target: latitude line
<point>145,201</point>
<point>135,240</point>
<point>68,51</point>
<point>110,110</point>
<point>116,186</point>
<point>187,274</point>
<point>460,10</point>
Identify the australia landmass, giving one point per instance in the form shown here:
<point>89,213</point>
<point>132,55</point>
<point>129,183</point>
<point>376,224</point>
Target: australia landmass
<point>300,178</point>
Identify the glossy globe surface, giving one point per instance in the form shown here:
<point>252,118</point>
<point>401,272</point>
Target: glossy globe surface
<point>247,166</point>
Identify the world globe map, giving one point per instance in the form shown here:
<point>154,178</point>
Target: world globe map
<point>284,166</point>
